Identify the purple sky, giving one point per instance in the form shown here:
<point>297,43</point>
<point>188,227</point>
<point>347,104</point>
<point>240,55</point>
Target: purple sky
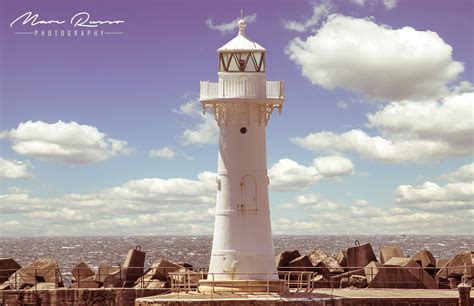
<point>141,88</point>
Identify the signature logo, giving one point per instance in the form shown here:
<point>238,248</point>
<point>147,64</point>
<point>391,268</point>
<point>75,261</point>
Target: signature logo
<point>80,25</point>
<point>82,19</point>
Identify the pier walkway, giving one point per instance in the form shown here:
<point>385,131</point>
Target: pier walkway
<point>319,297</point>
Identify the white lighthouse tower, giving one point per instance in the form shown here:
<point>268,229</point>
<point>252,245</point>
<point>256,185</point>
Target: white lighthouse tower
<point>242,102</point>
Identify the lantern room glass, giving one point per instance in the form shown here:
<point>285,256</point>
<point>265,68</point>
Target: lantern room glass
<point>242,61</point>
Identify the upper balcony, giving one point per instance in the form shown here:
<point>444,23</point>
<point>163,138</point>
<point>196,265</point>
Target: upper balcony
<point>241,90</point>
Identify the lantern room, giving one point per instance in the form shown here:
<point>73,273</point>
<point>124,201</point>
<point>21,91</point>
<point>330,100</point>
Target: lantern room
<point>241,54</point>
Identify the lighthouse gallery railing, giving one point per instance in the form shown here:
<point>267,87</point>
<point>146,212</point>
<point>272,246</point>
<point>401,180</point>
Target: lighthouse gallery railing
<point>240,89</point>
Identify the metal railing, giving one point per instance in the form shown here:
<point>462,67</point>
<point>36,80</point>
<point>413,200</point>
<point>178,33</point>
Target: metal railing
<point>187,279</point>
<point>304,278</point>
<point>241,89</point>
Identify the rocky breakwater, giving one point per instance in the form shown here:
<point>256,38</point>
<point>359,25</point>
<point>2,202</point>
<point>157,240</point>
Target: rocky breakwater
<point>358,267</point>
<point>42,281</point>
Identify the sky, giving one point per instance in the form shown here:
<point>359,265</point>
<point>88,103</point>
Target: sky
<point>102,133</point>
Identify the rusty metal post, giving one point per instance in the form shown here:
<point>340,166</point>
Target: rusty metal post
<point>422,284</point>
<point>464,289</point>
<point>120,274</point>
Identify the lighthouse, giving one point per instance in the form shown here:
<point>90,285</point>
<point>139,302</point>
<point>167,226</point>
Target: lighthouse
<point>242,102</point>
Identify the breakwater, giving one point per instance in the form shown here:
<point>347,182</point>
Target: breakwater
<point>97,250</point>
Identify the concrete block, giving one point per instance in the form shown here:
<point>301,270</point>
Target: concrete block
<point>360,255</point>
<point>39,271</point>
<point>8,266</point>
<point>390,251</point>
<point>327,263</point>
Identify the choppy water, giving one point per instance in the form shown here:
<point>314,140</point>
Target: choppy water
<point>68,251</point>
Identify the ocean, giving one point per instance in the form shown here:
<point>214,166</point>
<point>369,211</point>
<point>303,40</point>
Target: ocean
<point>195,250</point>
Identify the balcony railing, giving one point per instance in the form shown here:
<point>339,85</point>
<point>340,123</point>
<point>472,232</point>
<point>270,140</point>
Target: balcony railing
<point>241,89</point>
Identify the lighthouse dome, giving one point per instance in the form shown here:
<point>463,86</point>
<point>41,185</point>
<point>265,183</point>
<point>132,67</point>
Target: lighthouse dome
<point>241,42</point>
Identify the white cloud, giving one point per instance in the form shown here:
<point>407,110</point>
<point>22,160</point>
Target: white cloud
<point>463,174</point>
<point>411,131</point>
<point>71,143</point>
<point>373,147</point>
<point>428,208</point>
<point>320,11</point>
<point>358,2</point>
<point>376,61</point>
<point>432,197</point>
<point>286,206</point>
<point>205,131</point>
<point>228,27</point>
<point>389,4</point>
<point>14,169</point>
<point>165,152</point>
<point>331,166</point>
<point>316,201</point>
<point>448,120</point>
<point>462,87</point>
<point>360,217</point>
<point>361,203</point>
<point>174,205</point>
<point>292,226</point>
<point>288,175</point>
<point>342,104</point>
<point>456,195</point>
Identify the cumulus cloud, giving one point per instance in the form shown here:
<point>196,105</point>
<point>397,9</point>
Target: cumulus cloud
<point>448,120</point>
<point>320,11</point>
<point>204,131</point>
<point>388,4</point>
<point>169,204</point>
<point>231,26</point>
<point>374,60</point>
<point>432,197</point>
<point>165,152</point>
<point>321,216</point>
<point>458,195</point>
<point>411,131</point>
<point>14,169</point>
<point>71,143</point>
<point>18,201</point>
<point>316,201</point>
<point>288,175</point>
<point>463,174</point>
<point>331,166</point>
<point>294,226</point>
<point>429,208</point>
<point>376,147</point>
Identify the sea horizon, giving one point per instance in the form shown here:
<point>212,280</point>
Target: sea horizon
<point>195,249</point>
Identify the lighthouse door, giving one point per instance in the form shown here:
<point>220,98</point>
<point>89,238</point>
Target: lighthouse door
<point>248,187</point>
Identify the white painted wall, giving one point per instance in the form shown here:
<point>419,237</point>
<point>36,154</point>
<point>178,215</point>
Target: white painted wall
<point>242,233</point>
